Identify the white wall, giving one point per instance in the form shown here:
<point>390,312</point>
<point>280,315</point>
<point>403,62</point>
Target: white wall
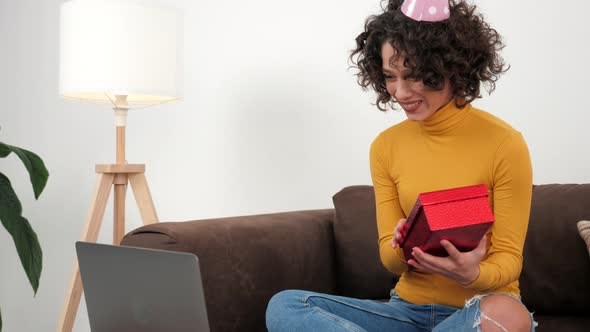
<point>273,120</point>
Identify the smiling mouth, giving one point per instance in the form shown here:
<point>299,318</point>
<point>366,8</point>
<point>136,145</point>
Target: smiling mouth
<point>411,107</point>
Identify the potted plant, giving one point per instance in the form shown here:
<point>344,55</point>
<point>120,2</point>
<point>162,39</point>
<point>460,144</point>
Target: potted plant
<point>25,239</point>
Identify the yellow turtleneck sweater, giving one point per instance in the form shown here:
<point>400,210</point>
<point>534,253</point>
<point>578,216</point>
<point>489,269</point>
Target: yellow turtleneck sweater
<point>454,148</point>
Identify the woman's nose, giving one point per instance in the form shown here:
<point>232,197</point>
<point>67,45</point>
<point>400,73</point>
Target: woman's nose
<point>401,90</point>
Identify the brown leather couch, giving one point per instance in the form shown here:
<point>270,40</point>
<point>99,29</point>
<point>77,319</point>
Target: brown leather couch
<point>245,260</point>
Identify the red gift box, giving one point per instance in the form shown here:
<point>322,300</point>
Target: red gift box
<point>459,215</point>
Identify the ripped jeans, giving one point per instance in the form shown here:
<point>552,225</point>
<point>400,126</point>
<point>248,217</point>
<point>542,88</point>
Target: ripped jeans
<point>297,310</point>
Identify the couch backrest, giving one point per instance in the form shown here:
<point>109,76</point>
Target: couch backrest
<point>556,272</point>
<point>359,272</point>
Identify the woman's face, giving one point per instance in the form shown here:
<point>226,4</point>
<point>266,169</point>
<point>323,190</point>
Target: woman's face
<point>419,102</point>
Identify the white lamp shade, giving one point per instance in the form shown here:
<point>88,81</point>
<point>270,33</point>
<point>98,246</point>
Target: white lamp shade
<point>121,47</point>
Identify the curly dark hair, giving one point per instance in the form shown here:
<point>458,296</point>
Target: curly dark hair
<point>463,49</point>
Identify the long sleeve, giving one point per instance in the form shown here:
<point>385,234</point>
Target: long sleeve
<point>388,209</point>
<point>512,191</point>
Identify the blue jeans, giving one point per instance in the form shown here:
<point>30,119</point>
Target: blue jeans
<point>297,310</point>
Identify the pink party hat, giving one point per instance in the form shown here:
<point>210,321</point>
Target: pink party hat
<point>426,10</point>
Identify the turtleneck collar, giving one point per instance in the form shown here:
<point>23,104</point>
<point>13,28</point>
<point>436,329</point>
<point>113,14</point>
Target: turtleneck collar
<point>445,119</point>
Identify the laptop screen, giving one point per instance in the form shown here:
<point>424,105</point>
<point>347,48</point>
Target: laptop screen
<point>136,289</point>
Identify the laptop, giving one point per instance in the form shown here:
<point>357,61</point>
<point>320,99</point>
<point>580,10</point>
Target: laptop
<point>134,289</point>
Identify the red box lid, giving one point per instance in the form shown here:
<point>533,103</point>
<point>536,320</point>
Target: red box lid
<point>454,194</point>
<point>456,207</point>
<point>451,208</point>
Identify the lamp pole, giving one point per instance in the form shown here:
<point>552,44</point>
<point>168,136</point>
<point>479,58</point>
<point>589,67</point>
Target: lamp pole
<point>120,183</point>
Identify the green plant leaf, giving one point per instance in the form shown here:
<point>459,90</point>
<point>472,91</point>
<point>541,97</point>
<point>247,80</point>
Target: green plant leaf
<point>25,239</point>
<point>4,150</point>
<point>35,166</point>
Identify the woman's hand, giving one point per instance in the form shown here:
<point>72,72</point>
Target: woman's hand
<point>462,267</point>
<point>397,233</point>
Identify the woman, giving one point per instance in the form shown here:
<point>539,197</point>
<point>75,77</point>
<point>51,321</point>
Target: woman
<point>430,57</point>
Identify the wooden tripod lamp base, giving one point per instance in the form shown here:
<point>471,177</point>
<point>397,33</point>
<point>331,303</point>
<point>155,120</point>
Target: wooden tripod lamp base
<point>118,176</point>
<point>107,176</point>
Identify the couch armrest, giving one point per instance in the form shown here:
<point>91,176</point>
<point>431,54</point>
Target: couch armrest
<point>245,260</point>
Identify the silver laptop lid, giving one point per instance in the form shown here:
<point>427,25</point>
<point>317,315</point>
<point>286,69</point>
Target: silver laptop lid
<point>135,289</point>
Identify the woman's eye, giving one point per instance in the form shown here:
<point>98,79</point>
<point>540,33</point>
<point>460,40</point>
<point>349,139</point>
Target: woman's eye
<point>388,77</point>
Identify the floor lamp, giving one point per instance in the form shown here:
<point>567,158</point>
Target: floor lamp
<point>127,53</point>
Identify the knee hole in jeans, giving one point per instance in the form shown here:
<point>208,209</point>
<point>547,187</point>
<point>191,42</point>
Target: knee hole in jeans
<point>503,313</point>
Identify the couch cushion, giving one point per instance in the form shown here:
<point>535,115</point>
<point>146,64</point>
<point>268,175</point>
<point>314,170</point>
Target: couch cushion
<point>556,267</point>
<point>359,272</point>
<point>562,323</point>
